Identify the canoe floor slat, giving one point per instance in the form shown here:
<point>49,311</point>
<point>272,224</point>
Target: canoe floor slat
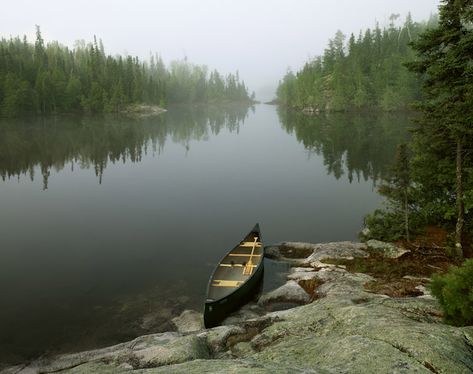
<point>236,265</point>
<point>226,283</point>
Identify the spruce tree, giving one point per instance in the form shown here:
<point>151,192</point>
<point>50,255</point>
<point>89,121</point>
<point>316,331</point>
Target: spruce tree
<point>444,58</point>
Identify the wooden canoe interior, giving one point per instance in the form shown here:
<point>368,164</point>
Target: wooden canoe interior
<point>236,267</point>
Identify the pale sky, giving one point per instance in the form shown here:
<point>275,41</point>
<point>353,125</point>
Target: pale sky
<point>259,38</point>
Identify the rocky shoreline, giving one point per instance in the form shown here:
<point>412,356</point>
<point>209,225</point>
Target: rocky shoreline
<point>142,110</point>
<point>323,320</point>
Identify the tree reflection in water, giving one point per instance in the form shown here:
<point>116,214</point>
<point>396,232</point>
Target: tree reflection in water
<point>94,142</point>
<point>361,145</point>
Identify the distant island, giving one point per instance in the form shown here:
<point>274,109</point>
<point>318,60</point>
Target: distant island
<point>51,78</point>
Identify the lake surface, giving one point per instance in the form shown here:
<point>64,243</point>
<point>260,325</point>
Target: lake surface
<point>110,227</point>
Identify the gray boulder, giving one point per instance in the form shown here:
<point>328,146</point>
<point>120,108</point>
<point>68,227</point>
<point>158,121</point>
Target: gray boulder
<point>298,274</point>
<point>289,292</point>
<point>387,250</point>
<point>353,331</point>
<point>298,253</point>
<point>337,250</point>
<point>184,349</point>
<point>146,351</point>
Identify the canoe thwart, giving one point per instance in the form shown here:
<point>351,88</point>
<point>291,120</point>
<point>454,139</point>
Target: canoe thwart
<point>251,244</point>
<point>243,255</point>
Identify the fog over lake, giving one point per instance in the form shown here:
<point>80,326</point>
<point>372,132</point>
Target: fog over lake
<point>260,39</point>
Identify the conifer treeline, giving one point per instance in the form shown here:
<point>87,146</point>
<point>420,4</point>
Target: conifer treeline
<point>365,73</point>
<point>51,78</point>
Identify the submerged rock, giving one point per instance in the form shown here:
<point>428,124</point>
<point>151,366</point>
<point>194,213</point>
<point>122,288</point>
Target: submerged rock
<point>157,320</point>
<point>246,312</point>
<point>272,252</point>
<point>189,321</point>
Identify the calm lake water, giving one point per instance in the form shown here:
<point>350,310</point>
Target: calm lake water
<point>109,227</point>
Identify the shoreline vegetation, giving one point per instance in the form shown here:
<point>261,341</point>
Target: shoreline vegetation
<point>51,78</point>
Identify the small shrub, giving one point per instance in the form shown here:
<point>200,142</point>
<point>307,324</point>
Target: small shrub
<point>388,224</point>
<point>384,225</point>
<point>454,291</point>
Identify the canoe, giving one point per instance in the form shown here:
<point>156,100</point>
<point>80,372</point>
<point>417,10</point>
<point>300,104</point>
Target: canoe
<point>236,279</point>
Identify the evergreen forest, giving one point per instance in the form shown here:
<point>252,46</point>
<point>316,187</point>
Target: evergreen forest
<point>364,73</point>
<point>51,78</point>
<point>424,67</point>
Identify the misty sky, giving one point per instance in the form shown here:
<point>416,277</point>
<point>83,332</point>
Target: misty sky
<point>259,38</point>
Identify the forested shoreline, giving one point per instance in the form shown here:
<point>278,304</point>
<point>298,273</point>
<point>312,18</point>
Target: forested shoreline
<point>427,67</point>
<point>40,78</point>
<point>432,180</point>
<point>364,73</point>
<point>422,66</point>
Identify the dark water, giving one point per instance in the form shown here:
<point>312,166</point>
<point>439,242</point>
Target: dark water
<point>109,227</point>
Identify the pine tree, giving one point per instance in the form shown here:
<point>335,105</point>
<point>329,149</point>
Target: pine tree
<point>444,60</point>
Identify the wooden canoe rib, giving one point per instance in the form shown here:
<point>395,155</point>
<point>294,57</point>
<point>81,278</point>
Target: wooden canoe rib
<point>235,279</point>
